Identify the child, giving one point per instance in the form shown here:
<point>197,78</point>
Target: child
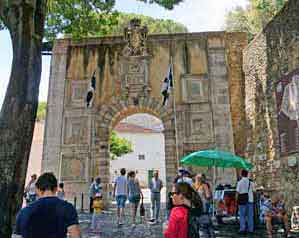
<point>295,219</point>
<point>97,206</point>
<point>60,191</point>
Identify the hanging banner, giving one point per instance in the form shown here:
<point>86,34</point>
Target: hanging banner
<point>287,99</point>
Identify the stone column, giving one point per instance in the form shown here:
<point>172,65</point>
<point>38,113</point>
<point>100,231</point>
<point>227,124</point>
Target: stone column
<point>100,161</point>
<point>223,131</point>
<point>54,119</point>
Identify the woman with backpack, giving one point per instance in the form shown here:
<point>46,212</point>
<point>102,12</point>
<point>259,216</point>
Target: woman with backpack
<point>186,217</point>
<point>135,195</point>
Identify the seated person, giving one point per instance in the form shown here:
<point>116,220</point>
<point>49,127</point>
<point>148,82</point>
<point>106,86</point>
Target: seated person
<point>275,213</point>
<point>295,219</point>
<point>264,202</point>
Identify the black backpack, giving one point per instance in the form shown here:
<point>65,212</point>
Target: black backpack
<point>200,225</point>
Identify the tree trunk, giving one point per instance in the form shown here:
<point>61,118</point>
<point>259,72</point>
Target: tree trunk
<point>25,21</point>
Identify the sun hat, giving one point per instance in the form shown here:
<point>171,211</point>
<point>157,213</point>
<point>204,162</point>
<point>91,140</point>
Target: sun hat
<point>98,195</point>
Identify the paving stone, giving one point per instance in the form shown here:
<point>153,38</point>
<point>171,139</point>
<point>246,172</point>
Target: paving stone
<point>110,229</point>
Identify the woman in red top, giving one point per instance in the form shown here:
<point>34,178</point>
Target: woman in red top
<point>183,197</point>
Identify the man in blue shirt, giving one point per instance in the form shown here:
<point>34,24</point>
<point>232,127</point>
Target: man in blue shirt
<point>49,216</point>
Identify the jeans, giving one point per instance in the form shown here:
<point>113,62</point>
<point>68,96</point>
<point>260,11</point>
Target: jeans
<point>155,209</point>
<point>95,221</point>
<point>246,211</point>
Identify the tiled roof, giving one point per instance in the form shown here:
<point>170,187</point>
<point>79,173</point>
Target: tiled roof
<point>127,127</point>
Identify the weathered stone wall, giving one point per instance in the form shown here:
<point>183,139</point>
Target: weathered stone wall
<point>208,77</point>
<point>237,88</point>
<point>272,54</point>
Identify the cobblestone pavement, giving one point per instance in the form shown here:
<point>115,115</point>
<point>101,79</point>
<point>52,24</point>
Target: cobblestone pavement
<point>109,228</point>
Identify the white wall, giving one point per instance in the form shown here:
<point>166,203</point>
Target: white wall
<point>149,144</point>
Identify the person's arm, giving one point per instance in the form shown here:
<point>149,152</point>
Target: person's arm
<point>114,188</point>
<point>74,231</point>
<point>71,221</point>
<point>139,188</point>
<point>237,191</point>
<point>150,185</point>
<point>161,185</point>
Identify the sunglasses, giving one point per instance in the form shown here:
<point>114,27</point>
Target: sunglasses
<point>173,193</point>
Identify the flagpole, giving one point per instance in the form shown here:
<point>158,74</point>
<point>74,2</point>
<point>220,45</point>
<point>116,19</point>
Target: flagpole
<point>175,120</point>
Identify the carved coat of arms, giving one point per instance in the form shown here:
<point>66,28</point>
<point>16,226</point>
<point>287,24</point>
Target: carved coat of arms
<point>136,36</point>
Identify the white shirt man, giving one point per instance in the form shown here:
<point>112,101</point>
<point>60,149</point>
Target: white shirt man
<point>242,187</point>
<point>246,211</point>
<point>120,193</point>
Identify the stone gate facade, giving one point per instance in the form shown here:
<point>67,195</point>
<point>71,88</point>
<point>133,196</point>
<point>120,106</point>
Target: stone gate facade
<point>208,93</point>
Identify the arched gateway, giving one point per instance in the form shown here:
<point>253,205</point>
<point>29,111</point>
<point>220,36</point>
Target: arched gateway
<point>129,72</point>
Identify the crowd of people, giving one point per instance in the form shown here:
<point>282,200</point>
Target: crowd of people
<point>188,211</point>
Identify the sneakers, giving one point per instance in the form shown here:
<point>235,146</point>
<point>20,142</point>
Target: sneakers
<point>152,221</point>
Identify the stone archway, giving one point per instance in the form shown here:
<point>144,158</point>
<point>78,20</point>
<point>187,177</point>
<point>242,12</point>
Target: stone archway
<point>109,115</point>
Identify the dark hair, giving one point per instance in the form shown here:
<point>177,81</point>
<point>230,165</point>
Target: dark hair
<point>46,181</point>
<point>61,185</point>
<point>98,180</point>
<point>189,193</point>
<point>244,173</point>
<point>131,174</point>
<point>123,171</point>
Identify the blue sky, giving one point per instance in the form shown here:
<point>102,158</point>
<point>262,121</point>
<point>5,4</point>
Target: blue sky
<point>197,15</point>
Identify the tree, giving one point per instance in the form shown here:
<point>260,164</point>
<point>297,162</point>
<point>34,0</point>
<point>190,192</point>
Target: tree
<point>119,146</point>
<point>41,111</point>
<point>254,17</point>
<point>25,21</point>
<point>155,26</point>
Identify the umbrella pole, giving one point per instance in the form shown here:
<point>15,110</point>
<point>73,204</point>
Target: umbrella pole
<point>214,184</point>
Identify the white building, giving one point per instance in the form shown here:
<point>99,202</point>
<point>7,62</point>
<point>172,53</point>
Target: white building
<point>148,152</point>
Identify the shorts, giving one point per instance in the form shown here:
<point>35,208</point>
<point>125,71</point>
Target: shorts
<point>134,199</point>
<point>121,201</point>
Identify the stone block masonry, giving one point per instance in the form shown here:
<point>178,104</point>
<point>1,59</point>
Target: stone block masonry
<point>208,81</point>
<point>271,58</point>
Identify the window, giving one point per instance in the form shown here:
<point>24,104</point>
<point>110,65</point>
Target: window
<point>141,157</point>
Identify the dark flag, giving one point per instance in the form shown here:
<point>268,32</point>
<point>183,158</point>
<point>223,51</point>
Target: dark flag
<point>91,90</point>
<point>167,86</point>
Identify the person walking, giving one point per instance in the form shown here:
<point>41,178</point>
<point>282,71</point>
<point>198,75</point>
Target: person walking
<point>245,199</point>
<point>60,191</point>
<point>155,187</point>
<point>95,187</point>
<point>135,194</point>
<point>204,191</point>
<point>184,176</point>
<point>120,191</point>
<point>49,216</point>
<point>97,211</point>
<point>30,194</point>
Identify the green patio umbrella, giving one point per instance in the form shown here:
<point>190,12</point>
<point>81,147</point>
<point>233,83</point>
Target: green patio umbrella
<point>216,158</point>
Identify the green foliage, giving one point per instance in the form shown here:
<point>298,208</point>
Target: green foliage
<point>41,111</point>
<point>253,18</point>
<point>119,146</point>
<point>168,4</point>
<point>79,19</point>
<point>155,26</point>
<point>1,25</point>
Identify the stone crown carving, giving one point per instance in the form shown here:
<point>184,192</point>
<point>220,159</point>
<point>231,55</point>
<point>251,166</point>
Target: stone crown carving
<point>136,36</point>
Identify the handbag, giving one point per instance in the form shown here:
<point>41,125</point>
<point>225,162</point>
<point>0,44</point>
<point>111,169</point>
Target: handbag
<point>142,209</point>
<point>244,197</point>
